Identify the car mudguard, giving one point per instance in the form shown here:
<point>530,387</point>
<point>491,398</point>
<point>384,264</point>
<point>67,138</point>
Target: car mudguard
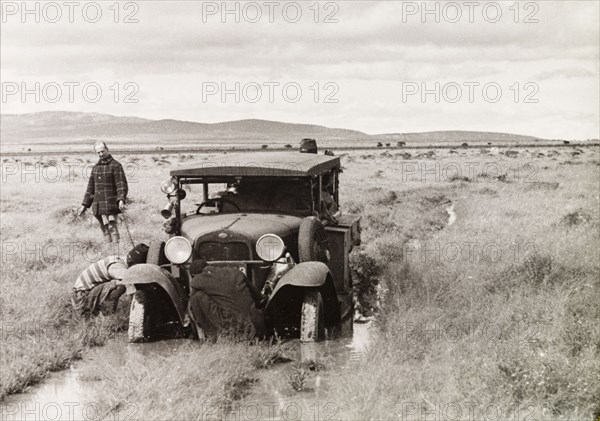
<point>144,274</point>
<point>287,295</point>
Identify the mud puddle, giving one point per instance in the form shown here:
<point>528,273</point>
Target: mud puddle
<point>68,395</point>
<point>299,390</point>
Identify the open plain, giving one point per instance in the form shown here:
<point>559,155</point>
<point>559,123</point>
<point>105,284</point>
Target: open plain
<point>480,268</point>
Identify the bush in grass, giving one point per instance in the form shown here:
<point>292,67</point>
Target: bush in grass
<point>297,378</point>
<point>576,218</point>
<point>365,277</point>
<point>457,177</point>
<point>266,354</point>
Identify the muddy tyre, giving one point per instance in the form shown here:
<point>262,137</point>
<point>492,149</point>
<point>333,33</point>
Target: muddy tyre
<point>311,240</point>
<point>139,317</point>
<point>312,326</point>
<point>156,253</point>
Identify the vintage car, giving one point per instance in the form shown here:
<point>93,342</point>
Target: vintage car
<point>275,217</point>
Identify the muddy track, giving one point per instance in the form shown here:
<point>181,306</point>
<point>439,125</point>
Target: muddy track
<point>299,389</point>
<point>71,394</point>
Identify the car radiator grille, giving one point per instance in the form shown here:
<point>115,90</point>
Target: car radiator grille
<point>214,250</point>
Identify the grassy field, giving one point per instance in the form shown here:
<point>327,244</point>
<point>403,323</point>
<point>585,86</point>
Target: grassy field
<point>495,314</point>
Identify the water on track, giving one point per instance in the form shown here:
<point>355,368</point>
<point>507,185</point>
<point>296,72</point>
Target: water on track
<point>69,395</point>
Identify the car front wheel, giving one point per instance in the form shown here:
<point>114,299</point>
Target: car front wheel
<point>312,327</point>
<point>139,318</point>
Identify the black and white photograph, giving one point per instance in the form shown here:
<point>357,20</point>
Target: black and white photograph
<point>302,210</point>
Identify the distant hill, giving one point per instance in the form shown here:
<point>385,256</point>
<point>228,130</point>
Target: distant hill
<point>456,136</point>
<point>76,130</point>
<point>75,127</point>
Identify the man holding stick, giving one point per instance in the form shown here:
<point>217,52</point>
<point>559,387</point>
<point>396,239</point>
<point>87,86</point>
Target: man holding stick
<point>106,192</point>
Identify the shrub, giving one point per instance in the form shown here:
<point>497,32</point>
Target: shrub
<point>388,198</point>
<point>538,268</point>
<point>575,218</point>
<point>67,214</point>
<point>542,185</point>
<point>365,273</point>
<point>503,178</point>
<point>297,378</point>
<point>267,354</point>
<point>457,177</point>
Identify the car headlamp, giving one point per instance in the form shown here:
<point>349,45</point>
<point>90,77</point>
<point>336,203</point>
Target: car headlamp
<point>178,250</point>
<point>168,186</point>
<point>270,247</point>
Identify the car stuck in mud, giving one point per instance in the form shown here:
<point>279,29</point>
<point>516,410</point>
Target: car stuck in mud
<point>275,219</point>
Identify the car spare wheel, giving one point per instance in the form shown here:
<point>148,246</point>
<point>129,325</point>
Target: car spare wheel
<point>311,240</point>
<point>312,326</point>
<point>156,253</point>
<point>139,317</point>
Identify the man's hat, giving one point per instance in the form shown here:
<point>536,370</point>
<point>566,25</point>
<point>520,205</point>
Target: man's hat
<point>308,146</point>
<point>138,254</point>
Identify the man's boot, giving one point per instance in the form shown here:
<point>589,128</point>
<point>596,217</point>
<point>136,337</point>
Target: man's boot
<point>105,232</point>
<point>114,231</point>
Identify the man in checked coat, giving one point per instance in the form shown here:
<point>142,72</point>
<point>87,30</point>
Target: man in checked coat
<point>106,192</point>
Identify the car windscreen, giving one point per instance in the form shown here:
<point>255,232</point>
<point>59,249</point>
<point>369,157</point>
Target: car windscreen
<point>268,194</point>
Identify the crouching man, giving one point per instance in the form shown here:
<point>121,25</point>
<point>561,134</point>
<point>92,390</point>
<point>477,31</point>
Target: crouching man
<point>224,301</point>
<point>96,289</point>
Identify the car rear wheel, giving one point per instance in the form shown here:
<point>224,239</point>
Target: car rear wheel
<point>312,326</point>
<point>139,317</point>
<point>312,240</point>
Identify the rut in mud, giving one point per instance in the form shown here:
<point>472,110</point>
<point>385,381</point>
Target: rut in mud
<point>72,394</point>
<point>298,389</point>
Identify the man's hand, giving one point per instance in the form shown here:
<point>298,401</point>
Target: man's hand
<point>121,205</point>
<point>81,210</point>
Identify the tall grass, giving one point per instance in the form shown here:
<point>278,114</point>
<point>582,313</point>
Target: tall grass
<point>196,382</point>
<point>44,248</point>
<point>507,331</point>
<point>494,317</point>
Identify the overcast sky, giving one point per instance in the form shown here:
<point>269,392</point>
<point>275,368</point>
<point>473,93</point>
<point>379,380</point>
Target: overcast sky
<point>362,65</point>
